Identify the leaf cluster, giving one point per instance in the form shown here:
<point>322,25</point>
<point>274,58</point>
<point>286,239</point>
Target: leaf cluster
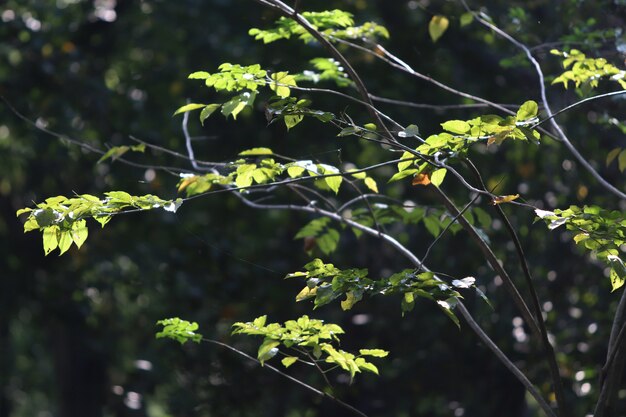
<point>180,330</point>
<point>601,232</point>
<point>326,283</point>
<point>587,70</point>
<point>62,220</point>
<point>310,339</point>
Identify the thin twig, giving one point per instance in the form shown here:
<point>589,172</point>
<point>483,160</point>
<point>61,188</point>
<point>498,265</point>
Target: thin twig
<point>416,262</point>
<point>289,377</point>
<point>544,99</point>
<point>553,365</point>
<point>495,264</point>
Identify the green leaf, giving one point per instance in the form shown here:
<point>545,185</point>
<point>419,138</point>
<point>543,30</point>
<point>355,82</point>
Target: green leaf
<point>528,110</point>
<point>288,361</point>
<point>402,174</point>
<point>65,241</point>
<point>349,302</point>
<point>267,350</point>
<point>371,184</point>
<point>180,330</point>
<point>282,81</point>
<point>436,178</point>
<point>433,225</point>
<point>256,151</point>
<point>437,27</point>
<point>113,153</point>
<point>456,126</point>
<point>366,366</point>
<point>189,107</point>
<point>292,120</point>
<point>235,105</point>
<point>199,75</point>
<point>621,160</point>
<point>378,353</point>
<point>612,155</point>
<point>79,232</point>
<point>208,111</point>
<point>334,182</point>
<point>22,211</point>
<point>295,171</point>
<point>50,241</point>
<point>370,126</point>
<point>328,241</point>
<point>466,18</point>
<point>617,281</point>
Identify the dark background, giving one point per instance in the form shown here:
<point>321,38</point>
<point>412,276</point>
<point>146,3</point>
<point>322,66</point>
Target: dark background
<point>77,332</point>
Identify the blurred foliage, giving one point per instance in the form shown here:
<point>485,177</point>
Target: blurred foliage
<point>77,332</point>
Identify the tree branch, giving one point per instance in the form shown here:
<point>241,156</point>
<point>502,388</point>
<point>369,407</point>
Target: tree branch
<point>289,377</point>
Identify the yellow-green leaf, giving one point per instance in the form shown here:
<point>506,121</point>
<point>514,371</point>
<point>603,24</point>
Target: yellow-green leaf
<point>527,111</point>
<point>334,182</point>
<point>378,353</point>
<point>366,366</point>
<point>621,160</point>
<point>288,361</point>
<point>79,232</point>
<point>256,151</point>
<point>437,26</point>
<point>207,111</point>
<point>612,155</point>
<point>282,81</point>
<point>456,126</point>
<point>436,178</point>
<point>295,171</point>
<point>504,199</point>
<point>466,19</point>
<point>371,184</point>
<point>405,164</point>
<point>188,107</point>
<point>50,241</point>
<point>199,75</point>
<point>65,241</point>
<point>350,301</point>
<point>617,281</point>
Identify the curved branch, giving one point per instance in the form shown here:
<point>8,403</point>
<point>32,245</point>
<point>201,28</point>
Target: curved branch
<point>553,365</point>
<point>544,99</point>
<point>417,263</point>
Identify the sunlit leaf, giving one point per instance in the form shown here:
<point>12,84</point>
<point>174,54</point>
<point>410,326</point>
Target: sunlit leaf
<point>437,26</point>
<point>456,126</point>
<point>288,361</point>
<point>189,107</point>
<point>65,241</point>
<point>50,241</point>
<point>371,184</point>
<point>437,176</point>
<point>617,281</point>
<point>527,111</point>
<point>256,151</point>
<point>208,111</point>
<point>504,199</point>
<point>378,353</point>
<point>79,232</point>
